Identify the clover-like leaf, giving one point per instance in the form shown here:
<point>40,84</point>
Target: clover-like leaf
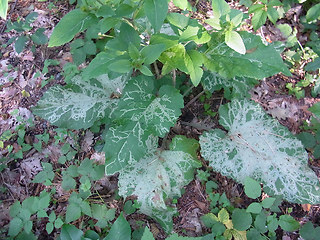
<point>155,177</point>
<point>236,87</point>
<point>260,61</point>
<point>259,147</point>
<point>81,103</point>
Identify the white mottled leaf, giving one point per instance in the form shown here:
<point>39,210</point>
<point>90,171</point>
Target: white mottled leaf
<point>79,104</point>
<point>155,177</point>
<point>236,87</point>
<point>259,147</point>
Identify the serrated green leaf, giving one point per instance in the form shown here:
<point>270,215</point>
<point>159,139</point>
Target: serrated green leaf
<point>120,230</point>
<point>68,182</point>
<point>313,13</point>
<point>252,188</point>
<point>259,62</point>
<point>288,223</point>
<point>260,223</point>
<point>234,41</point>
<point>259,147</point>
<point>15,227</point>
<point>39,37</point>
<point>81,103</point>
<point>273,15</point>
<point>73,212</point>
<point>156,176</point>
<point>72,23</point>
<point>15,209</point>
<point>90,47</point>
<point>209,219</point>
<point>259,18</point>
<point>49,227</point>
<point>223,216</point>
<point>241,219</point>
<point>193,62</point>
<point>156,11</point>
<point>3,9</point>
<point>173,58</point>
<point>236,87</point>
<point>70,232</point>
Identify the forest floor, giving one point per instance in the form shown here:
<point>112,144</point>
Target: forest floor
<point>24,77</point>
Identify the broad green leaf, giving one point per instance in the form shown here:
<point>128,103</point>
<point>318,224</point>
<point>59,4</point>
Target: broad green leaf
<point>268,202</point>
<point>81,103</point>
<point>187,145</point>
<point>210,219</point>
<point>15,209</point>
<point>259,147</point>
<point>273,15</point>
<point>156,11</point>
<point>259,18</point>
<point>39,37</point>
<point>102,214</point>
<point>72,23</point>
<point>168,41</point>
<point>308,232</point>
<point>105,11</point>
<point>141,114</point>
<point>220,7</point>
<point>145,71</point>
<point>288,223</point>
<point>223,216</point>
<point>261,222</point>
<point>70,232</point>
<point>73,212</point>
<point>183,4</point>
<point>155,177</point>
<point>151,53</point>
<point>178,20</point>
<point>127,35</point>
<point>315,109</point>
<point>3,9</point>
<point>313,13</point>
<point>259,62</point>
<point>234,41</point>
<point>241,219</point>
<point>254,208</point>
<point>252,188</point>
<point>174,58</point>
<point>20,43</point>
<point>236,87</point>
<point>99,65</point>
<point>120,66</point>
<point>307,139</point>
<point>49,227</point>
<point>106,24</point>
<point>194,61</point>
<point>15,226</point>
<point>120,230</point>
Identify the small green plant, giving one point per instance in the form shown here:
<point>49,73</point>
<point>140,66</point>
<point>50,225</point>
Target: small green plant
<point>23,27</point>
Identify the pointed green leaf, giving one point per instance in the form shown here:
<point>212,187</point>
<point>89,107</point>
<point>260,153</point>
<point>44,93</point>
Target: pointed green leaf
<point>313,13</point>
<point>178,20</point>
<point>39,37</point>
<point>81,103</point>
<point>20,43</point>
<point>193,62</point>
<point>254,208</point>
<point>147,235</point>
<point>120,230</point>
<point>73,212</point>
<point>259,18</point>
<point>259,62</point>
<point>151,53</point>
<point>15,227</point>
<point>72,23</point>
<point>156,11</point>
<point>259,147</point>
<point>220,7</point>
<point>234,41</point>
<point>288,223</point>
<point>120,66</point>
<point>70,232</point>
<point>273,15</point>
<point>145,71</point>
<point>187,145</point>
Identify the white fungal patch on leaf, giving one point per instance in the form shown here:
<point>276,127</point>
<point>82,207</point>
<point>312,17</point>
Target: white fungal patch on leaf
<point>80,103</point>
<point>155,177</point>
<point>259,147</point>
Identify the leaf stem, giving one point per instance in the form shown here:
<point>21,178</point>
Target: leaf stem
<point>156,69</point>
<point>174,76</point>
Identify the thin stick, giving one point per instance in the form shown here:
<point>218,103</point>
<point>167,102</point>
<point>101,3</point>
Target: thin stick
<point>194,99</point>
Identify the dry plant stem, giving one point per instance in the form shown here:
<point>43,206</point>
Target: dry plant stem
<point>196,125</point>
<point>174,76</point>
<point>156,69</point>
<point>194,99</point>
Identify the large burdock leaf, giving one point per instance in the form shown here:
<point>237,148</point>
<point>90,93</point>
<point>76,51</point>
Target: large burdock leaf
<point>79,104</point>
<point>259,147</point>
<point>236,87</point>
<point>260,61</point>
<point>140,113</point>
<point>157,176</point>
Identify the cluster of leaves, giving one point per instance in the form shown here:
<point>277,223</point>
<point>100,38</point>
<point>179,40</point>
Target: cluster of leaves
<point>123,91</point>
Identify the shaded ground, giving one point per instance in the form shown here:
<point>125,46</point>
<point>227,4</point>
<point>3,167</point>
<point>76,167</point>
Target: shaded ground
<point>18,75</point>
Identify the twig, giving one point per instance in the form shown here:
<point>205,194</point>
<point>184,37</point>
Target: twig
<point>194,99</point>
